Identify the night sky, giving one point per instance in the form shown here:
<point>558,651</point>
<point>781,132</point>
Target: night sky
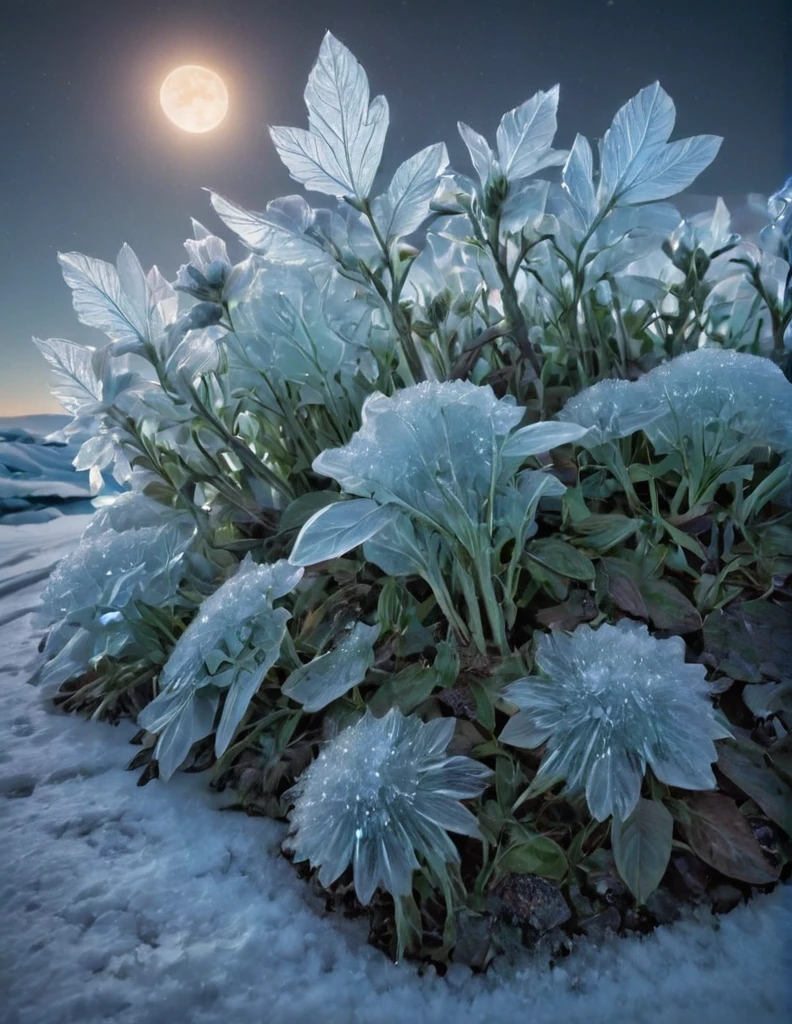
<point>89,160</point>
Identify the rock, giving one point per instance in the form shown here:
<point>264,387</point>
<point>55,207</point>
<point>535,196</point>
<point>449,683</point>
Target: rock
<point>529,901</point>
<point>664,906</point>
<point>725,898</point>
<point>689,877</point>
<point>600,925</point>
<point>474,939</point>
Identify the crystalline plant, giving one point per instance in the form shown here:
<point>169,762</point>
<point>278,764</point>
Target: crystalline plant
<point>380,794</point>
<point>726,394</point>
<point>720,394</point>
<point>612,409</point>
<point>608,703</point>
<point>230,645</point>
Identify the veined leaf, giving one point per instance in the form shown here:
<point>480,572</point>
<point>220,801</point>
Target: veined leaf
<point>578,177</point>
<point>333,674</point>
<point>336,529</point>
<point>406,204</point>
<point>525,136</point>
<point>73,364</point>
<point>642,847</point>
<point>279,233</point>
<point>722,837</point>
<point>481,155</point>
<point>341,151</point>
<point>637,164</point>
<point>537,438</point>
<point>100,299</point>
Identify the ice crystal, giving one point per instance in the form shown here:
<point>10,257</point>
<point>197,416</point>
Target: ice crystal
<point>380,793</point>
<point>612,409</point>
<point>230,645</point>
<point>719,394</point>
<point>608,703</point>
<point>726,394</point>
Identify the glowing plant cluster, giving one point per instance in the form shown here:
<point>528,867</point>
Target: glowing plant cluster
<point>441,430</point>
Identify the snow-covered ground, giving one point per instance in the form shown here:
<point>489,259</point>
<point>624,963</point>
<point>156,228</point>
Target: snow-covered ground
<point>147,905</point>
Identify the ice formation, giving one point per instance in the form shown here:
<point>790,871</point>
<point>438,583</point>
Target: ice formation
<point>609,702</point>
<point>380,794</point>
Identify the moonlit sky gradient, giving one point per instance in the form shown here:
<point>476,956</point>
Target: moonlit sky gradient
<point>89,161</point>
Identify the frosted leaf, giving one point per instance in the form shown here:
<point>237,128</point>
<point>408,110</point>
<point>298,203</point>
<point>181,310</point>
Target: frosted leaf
<point>777,236</point>
<point>381,794</point>
<point>341,151</point>
<point>110,570</point>
<point>608,703</point>
<point>612,409</point>
<point>406,205</point>
<point>231,643</point>
<point>331,675</point>
<point>525,136</point>
<point>729,395</point>
<point>638,164</point>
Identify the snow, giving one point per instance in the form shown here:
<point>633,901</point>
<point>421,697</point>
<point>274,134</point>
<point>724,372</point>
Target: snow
<point>147,905</point>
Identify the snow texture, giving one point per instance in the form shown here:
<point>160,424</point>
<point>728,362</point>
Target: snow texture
<point>146,906</point>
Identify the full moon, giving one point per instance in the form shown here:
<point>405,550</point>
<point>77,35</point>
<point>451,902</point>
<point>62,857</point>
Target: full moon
<point>195,99</point>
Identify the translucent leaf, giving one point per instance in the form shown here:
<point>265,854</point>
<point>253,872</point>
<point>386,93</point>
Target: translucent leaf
<point>406,204</point>
<point>280,233</point>
<point>341,152</point>
<point>79,389</point>
<point>428,449</point>
<point>637,165</point>
<point>525,136</point>
<point>481,155</point>
<point>333,674</point>
<point>194,721</point>
<point>612,409</point>
<point>578,178</point>
<point>99,298</point>
<point>538,438</point>
<point>642,847</point>
<point>336,529</point>
<point>378,794</point>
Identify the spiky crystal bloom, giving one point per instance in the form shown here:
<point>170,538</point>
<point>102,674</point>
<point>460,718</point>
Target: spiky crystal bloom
<point>609,702</point>
<point>379,793</point>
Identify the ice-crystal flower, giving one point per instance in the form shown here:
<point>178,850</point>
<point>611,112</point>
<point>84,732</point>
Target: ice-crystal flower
<point>609,702</point>
<point>380,794</point>
<point>230,645</point>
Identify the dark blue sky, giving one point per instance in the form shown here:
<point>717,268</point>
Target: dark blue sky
<point>89,161</point>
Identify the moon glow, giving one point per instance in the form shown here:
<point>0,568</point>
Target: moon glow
<point>194,98</point>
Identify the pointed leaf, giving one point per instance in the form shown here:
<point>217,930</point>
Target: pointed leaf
<point>336,529</point>
<point>406,204</point>
<point>525,136</point>
<point>538,438</point>
<point>481,155</point>
<point>333,674</point>
<point>341,152</point>
<point>722,837</point>
<point>642,847</point>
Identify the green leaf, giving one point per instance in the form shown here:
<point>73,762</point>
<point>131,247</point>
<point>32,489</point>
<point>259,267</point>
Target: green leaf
<point>603,532</point>
<point>537,856</point>
<point>561,558</point>
<point>620,580</point>
<point>668,608</point>
<point>744,763</point>
<point>749,639</point>
<point>722,837</point>
<point>642,847</point>
<point>298,512</point>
